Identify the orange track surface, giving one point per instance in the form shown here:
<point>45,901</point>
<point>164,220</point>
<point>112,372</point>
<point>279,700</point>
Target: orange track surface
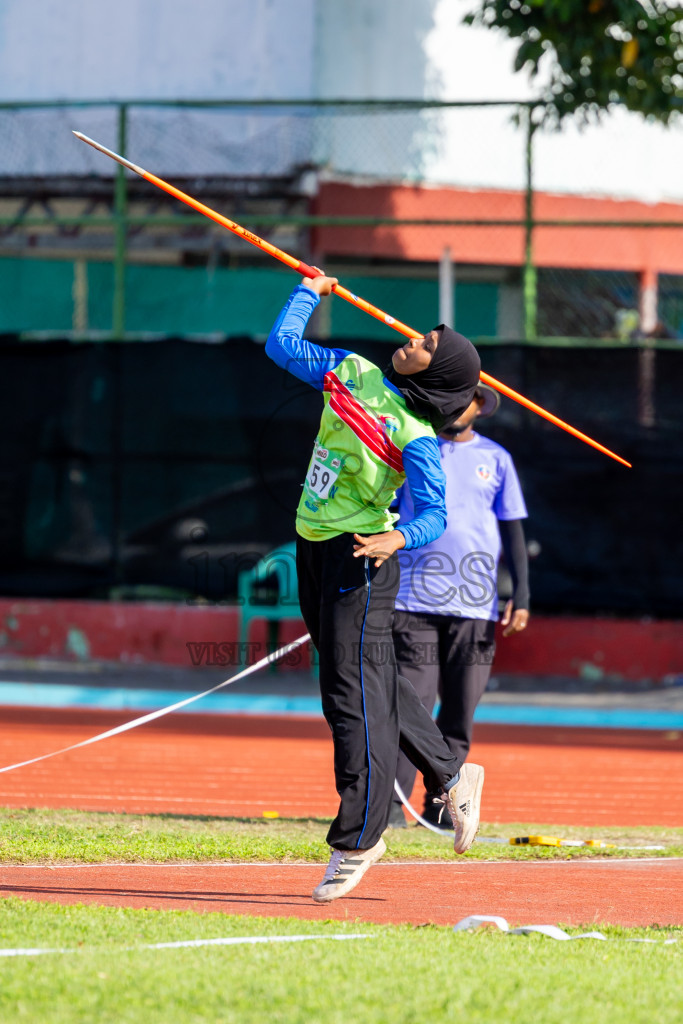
<point>239,766</point>
<point>242,765</point>
<point>569,892</point>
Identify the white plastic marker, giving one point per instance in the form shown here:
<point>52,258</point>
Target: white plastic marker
<point>550,930</point>
<point>268,660</point>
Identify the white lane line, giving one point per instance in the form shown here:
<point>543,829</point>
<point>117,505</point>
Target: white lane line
<point>201,865</point>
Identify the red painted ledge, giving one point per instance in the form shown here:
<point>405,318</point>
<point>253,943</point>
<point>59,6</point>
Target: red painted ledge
<point>156,633</point>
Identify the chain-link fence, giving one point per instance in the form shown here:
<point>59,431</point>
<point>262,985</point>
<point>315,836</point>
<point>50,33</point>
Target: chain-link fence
<point>425,208</point>
<point>383,140</point>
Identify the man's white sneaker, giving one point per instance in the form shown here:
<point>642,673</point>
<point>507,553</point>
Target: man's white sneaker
<point>345,870</point>
<point>464,803</point>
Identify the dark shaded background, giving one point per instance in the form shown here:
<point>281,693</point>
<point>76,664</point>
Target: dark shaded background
<point>161,468</point>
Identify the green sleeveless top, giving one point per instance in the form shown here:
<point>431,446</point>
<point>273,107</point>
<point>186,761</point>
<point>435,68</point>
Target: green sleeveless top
<point>356,465</point>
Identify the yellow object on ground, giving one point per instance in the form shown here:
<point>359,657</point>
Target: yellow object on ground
<point>554,841</point>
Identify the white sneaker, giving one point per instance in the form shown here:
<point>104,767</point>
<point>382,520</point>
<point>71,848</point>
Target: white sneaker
<point>345,870</point>
<point>464,803</point>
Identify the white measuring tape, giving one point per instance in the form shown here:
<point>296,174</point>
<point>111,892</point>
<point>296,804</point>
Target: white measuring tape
<point>447,833</point>
<point>516,840</point>
<point>268,660</point>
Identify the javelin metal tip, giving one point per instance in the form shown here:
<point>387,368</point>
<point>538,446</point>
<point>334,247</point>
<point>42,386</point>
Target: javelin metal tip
<point>110,153</point>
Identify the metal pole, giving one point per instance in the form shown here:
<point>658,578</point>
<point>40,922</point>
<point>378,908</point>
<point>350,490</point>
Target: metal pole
<point>530,290</point>
<point>118,334</point>
<point>120,209</point>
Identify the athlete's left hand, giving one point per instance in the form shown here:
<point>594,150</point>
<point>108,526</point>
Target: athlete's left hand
<point>379,546</point>
<point>515,619</point>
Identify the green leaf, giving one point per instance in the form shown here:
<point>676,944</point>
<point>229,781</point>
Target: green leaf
<point>570,31</point>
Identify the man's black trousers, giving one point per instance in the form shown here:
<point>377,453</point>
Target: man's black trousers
<point>451,657</point>
<point>348,607</point>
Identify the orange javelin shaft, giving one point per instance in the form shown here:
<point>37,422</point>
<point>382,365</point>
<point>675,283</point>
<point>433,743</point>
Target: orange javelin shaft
<point>344,293</point>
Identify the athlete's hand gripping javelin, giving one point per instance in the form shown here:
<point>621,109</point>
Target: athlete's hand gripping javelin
<point>320,285</point>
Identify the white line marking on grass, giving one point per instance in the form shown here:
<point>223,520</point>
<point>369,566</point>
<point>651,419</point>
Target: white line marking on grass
<point>31,952</point>
<point>247,940</point>
<point>187,943</point>
<point>467,924</point>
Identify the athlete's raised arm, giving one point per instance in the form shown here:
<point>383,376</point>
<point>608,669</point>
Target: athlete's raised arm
<point>286,345</point>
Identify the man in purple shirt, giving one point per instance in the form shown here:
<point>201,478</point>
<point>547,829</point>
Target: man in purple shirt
<point>447,603</point>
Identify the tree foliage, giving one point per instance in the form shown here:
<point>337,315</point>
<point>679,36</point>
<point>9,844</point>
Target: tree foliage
<point>596,53</point>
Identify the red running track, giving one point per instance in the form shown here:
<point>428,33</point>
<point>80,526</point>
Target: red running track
<point>567,892</point>
<point>239,766</point>
<point>242,765</point>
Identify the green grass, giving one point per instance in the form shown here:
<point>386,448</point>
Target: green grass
<point>400,974</point>
<point>51,836</point>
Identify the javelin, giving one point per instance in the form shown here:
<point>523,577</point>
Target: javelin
<point>344,293</point>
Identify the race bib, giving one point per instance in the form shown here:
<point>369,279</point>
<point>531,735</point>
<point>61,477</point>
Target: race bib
<point>322,473</point>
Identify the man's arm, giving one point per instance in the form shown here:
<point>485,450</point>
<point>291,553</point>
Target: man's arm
<point>286,345</point>
<point>516,614</point>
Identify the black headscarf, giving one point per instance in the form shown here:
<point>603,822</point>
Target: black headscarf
<point>442,391</point>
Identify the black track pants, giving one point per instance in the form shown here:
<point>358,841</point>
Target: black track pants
<point>348,607</point>
<point>447,656</point>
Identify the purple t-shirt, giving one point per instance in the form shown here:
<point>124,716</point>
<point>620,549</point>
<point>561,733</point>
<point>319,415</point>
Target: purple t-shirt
<point>456,574</point>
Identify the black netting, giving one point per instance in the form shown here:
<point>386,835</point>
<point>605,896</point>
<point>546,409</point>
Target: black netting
<point>172,464</point>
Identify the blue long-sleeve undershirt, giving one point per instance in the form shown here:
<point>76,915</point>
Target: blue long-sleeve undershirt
<point>422,465</point>
<point>287,347</point>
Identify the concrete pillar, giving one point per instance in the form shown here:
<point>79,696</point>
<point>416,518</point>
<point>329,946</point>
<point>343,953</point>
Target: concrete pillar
<point>647,356</point>
<point>446,289</point>
<point>79,294</point>
<point>647,300</point>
